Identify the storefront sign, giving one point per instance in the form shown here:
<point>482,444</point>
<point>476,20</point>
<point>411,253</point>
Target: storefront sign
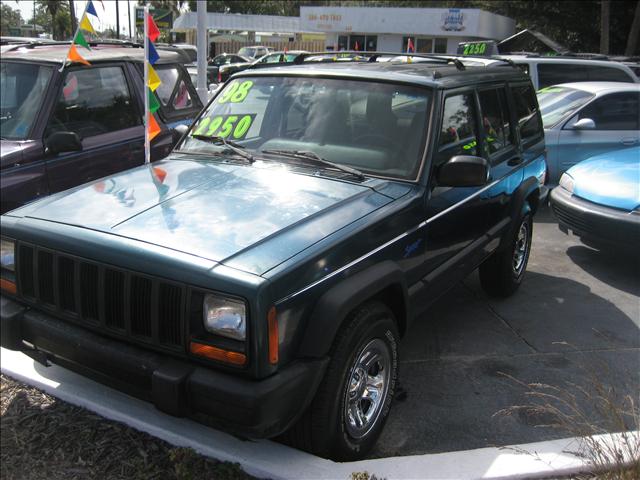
<point>453,20</point>
<point>162,17</point>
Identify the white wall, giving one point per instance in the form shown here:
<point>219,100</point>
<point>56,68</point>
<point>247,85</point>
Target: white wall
<point>389,43</point>
<point>404,21</point>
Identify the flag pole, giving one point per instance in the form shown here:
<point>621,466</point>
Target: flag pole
<point>73,39</point>
<point>147,147</point>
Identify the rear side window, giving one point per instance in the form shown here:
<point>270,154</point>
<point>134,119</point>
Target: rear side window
<point>597,73</point>
<point>555,73</point>
<point>458,135</point>
<point>617,111</point>
<point>527,113</point>
<point>94,101</point>
<point>495,119</point>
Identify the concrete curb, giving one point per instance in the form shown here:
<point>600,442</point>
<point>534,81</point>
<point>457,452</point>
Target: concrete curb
<point>267,459</point>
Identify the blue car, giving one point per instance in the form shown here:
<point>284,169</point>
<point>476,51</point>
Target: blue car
<point>584,119</point>
<point>599,199</point>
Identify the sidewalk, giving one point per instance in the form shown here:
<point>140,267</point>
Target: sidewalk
<point>268,459</point>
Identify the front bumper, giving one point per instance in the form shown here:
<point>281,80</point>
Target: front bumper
<point>595,223</point>
<point>251,408</point>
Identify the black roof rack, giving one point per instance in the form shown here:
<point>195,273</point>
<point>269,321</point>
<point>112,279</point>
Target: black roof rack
<point>371,57</point>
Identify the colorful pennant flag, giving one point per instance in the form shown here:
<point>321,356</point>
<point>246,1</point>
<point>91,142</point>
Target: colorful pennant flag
<point>154,104</point>
<point>153,128</point>
<point>80,40</point>
<point>152,30</point>
<point>85,24</point>
<point>91,9</point>
<point>154,80</point>
<point>153,54</point>
<point>74,56</point>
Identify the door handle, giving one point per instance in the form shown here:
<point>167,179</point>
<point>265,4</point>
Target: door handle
<point>628,141</point>
<point>512,162</point>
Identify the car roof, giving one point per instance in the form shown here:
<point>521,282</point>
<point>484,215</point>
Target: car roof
<point>602,87</point>
<point>422,73</point>
<point>56,53</point>
<point>560,59</point>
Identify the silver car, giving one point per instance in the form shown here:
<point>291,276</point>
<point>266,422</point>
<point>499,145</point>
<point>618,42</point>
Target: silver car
<point>585,119</point>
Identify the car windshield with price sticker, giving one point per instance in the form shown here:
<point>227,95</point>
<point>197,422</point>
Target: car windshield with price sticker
<point>376,128</point>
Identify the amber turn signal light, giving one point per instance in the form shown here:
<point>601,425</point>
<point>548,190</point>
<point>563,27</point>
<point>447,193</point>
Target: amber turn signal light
<point>8,286</point>
<point>215,353</point>
<point>273,336</point>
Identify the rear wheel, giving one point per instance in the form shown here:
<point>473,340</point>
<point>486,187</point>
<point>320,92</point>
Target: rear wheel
<point>502,273</point>
<point>353,401</point>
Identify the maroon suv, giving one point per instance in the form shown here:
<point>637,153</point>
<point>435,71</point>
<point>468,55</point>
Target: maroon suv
<point>62,129</point>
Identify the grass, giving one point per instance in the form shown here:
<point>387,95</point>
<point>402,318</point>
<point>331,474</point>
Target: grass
<point>44,438</point>
<point>589,412</point>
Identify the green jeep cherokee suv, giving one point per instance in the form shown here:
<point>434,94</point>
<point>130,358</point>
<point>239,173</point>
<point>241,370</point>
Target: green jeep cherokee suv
<point>264,273</point>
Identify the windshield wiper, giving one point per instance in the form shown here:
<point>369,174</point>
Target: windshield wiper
<point>316,159</point>
<point>230,145</point>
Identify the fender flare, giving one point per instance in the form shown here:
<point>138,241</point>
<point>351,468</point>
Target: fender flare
<point>519,207</point>
<point>334,305</point>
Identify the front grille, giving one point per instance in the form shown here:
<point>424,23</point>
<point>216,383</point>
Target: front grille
<point>118,302</point>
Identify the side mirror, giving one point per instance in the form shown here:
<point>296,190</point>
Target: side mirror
<point>584,124</point>
<point>59,142</point>
<point>464,171</point>
<point>178,132</point>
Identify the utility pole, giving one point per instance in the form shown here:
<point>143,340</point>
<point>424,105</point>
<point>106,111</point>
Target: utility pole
<point>129,16</point>
<point>74,20</point>
<point>117,20</point>
<point>605,9</point>
<point>35,32</point>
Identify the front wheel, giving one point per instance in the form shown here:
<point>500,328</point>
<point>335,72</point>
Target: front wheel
<point>353,401</point>
<point>502,273</point>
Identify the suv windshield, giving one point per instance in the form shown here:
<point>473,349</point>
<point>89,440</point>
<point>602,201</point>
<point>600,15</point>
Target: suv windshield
<point>22,88</point>
<point>558,102</point>
<point>377,128</point>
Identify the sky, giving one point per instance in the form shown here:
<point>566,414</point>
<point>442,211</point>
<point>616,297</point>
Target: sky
<point>106,16</point>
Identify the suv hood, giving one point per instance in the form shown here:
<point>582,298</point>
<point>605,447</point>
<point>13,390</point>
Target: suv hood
<point>216,211</point>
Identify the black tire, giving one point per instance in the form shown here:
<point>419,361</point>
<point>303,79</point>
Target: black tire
<point>324,429</point>
<point>500,274</point>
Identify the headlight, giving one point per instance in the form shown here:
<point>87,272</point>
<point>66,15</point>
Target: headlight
<point>7,255</point>
<point>225,317</point>
<point>566,182</point>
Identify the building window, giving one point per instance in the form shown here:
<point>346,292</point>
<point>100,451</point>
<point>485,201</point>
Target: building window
<point>440,45</point>
<point>343,42</point>
<point>424,45</point>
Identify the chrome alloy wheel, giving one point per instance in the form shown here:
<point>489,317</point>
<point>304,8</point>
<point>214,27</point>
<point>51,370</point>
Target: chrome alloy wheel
<point>520,250</point>
<point>367,388</point>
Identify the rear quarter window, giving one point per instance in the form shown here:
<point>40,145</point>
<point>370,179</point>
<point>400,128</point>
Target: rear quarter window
<point>527,113</point>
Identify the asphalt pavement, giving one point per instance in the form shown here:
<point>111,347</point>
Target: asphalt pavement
<point>573,324</point>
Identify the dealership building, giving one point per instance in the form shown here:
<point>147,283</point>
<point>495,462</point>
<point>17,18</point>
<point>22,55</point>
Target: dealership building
<point>430,30</point>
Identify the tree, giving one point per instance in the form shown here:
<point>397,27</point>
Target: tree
<point>9,18</point>
<point>634,34</point>
<point>55,17</point>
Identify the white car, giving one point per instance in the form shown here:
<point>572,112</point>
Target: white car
<point>546,71</point>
